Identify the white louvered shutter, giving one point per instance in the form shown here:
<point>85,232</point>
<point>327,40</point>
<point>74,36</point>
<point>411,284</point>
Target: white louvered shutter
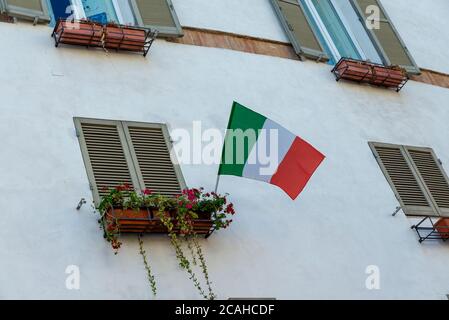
<point>150,147</point>
<point>106,155</point>
<point>433,176</point>
<point>403,179</point>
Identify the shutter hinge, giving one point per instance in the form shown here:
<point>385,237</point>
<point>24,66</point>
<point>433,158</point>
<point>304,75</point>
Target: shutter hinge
<point>91,187</point>
<point>77,133</point>
<point>321,56</point>
<point>440,162</point>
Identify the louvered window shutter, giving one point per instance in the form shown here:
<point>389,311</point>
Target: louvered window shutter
<point>150,147</point>
<point>386,38</point>
<point>406,184</point>
<point>106,155</point>
<point>299,29</point>
<point>433,176</point>
<point>35,10</point>
<point>159,15</point>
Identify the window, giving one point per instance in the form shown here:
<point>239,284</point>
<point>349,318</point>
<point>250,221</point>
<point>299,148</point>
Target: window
<point>118,152</point>
<point>155,14</point>
<point>35,10</point>
<point>339,28</point>
<point>339,41</point>
<point>417,178</point>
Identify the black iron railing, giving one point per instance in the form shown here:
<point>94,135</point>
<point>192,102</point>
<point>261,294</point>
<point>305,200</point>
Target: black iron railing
<point>428,229</point>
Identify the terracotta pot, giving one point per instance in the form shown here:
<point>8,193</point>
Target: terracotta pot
<point>147,221</point>
<point>124,38</point>
<point>442,226</point>
<point>387,76</point>
<point>355,71</point>
<point>80,32</point>
<point>367,72</point>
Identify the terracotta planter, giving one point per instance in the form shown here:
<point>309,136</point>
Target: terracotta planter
<point>442,226</point>
<point>84,33</point>
<point>147,221</point>
<point>389,77</point>
<point>125,38</point>
<point>354,70</point>
<point>372,73</point>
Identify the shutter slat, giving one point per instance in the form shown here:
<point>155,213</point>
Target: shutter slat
<point>105,156</point>
<point>433,176</point>
<point>154,162</point>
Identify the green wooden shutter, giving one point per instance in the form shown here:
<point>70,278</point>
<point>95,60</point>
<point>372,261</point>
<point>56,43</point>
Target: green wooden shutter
<point>403,179</point>
<point>433,176</point>
<point>159,15</point>
<point>150,147</point>
<point>106,155</point>
<point>35,10</point>
<point>386,38</point>
<point>299,29</point>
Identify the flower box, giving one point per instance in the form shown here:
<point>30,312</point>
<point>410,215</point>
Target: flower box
<point>110,36</point>
<point>392,77</point>
<point>78,32</point>
<point>125,38</point>
<point>442,226</point>
<point>147,221</point>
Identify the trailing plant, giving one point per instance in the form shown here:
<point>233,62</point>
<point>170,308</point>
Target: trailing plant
<point>177,215</point>
<point>150,275</point>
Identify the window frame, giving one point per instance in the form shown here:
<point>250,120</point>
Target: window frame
<point>25,13</point>
<point>162,31</point>
<point>119,13</point>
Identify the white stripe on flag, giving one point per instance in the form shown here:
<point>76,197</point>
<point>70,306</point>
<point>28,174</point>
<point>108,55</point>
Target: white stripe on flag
<point>268,152</point>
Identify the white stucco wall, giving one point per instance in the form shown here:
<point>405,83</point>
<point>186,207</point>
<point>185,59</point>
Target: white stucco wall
<point>423,25</point>
<point>250,17</point>
<point>315,247</point>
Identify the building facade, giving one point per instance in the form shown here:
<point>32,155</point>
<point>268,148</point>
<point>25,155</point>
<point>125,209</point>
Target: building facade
<point>338,240</point>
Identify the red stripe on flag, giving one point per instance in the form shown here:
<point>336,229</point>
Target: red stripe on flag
<point>297,167</point>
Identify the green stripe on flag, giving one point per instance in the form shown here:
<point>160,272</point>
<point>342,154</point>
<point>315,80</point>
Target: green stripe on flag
<point>250,123</point>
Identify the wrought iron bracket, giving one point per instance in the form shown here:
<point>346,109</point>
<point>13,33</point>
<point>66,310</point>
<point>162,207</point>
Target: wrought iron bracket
<point>396,211</point>
<point>80,204</point>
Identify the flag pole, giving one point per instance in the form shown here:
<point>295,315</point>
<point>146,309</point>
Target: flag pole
<point>216,183</point>
<point>222,153</point>
<point>216,189</point>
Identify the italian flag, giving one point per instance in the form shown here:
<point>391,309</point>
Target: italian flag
<point>295,159</point>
